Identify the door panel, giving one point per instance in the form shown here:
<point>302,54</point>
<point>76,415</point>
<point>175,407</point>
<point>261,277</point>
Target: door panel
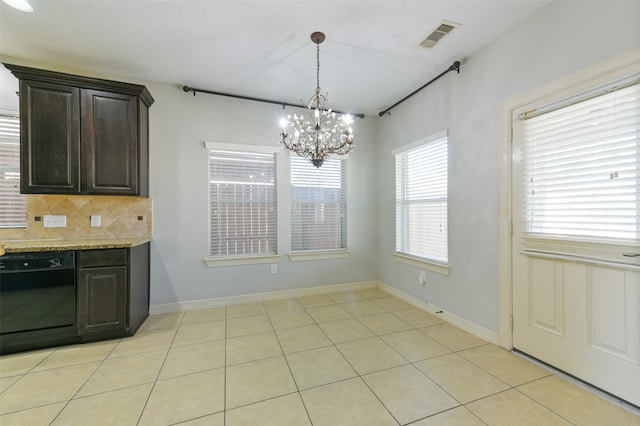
<point>614,331</point>
<point>545,295</point>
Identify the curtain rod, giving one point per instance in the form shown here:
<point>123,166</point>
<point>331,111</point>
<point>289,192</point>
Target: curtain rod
<point>454,67</point>
<point>249,98</point>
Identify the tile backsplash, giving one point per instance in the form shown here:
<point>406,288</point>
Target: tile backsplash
<point>121,217</point>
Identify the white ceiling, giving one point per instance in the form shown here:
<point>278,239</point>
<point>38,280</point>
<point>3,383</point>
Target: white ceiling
<point>370,59</point>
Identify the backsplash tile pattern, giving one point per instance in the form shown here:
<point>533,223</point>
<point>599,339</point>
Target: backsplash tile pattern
<point>119,217</point>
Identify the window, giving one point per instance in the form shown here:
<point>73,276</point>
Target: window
<point>581,165</point>
<point>13,205</point>
<point>242,197</point>
<point>318,205</point>
<point>421,199</point>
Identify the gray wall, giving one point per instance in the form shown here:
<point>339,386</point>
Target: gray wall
<point>180,123</point>
<point>9,85</point>
<point>561,38</point>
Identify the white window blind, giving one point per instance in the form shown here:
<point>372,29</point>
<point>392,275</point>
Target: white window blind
<point>581,165</point>
<point>318,205</point>
<point>421,201</point>
<point>13,205</point>
<point>242,195</point>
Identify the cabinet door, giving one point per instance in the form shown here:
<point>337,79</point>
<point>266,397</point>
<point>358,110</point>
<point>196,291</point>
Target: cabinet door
<point>110,143</point>
<point>102,299</point>
<point>50,139</point>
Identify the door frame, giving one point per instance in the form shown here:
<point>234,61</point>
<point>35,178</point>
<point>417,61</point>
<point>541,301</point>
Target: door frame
<point>571,83</point>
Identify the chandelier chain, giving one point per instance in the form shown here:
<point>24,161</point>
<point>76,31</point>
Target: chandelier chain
<point>318,70</point>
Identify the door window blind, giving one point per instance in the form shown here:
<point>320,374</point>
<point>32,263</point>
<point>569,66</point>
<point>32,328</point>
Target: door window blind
<point>243,211</point>
<point>318,205</point>
<point>581,166</point>
<point>421,201</point>
<point>13,205</point>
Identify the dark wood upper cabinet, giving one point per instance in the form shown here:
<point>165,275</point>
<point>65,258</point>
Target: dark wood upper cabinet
<point>50,137</point>
<point>110,155</point>
<point>81,135</point>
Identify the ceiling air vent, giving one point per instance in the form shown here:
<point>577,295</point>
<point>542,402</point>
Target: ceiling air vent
<point>443,30</point>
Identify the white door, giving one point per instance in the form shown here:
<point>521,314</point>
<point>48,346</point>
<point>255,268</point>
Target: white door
<point>576,285</point>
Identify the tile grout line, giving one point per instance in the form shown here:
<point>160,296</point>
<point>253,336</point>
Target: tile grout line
<point>543,405</point>
<point>511,387</point>
<point>580,384</point>
<point>153,386</point>
<point>286,360</point>
<point>378,336</point>
<point>358,375</point>
<point>85,382</point>
<point>334,345</point>
<point>464,404</point>
<point>52,403</point>
<point>224,379</point>
<point>317,324</point>
<point>452,351</point>
<point>29,370</point>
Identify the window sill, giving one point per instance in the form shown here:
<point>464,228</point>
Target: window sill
<point>216,262</point>
<point>318,255</point>
<point>418,262</point>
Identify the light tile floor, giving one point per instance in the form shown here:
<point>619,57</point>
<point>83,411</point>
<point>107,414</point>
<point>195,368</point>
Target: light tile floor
<point>351,358</point>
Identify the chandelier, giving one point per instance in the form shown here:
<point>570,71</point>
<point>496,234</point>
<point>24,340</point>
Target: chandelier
<point>322,133</point>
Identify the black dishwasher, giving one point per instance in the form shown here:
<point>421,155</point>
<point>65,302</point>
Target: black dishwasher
<point>37,300</point>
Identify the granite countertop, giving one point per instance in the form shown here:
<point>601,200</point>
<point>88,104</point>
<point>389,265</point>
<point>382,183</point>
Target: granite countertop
<point>13,246</point>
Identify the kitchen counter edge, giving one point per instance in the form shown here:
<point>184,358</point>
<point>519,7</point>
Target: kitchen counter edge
<point>14,246</point>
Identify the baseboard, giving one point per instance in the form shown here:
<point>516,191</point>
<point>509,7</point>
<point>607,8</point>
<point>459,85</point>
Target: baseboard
<point>465,324</point>
<point>259,297</point>
<point>471,327</point>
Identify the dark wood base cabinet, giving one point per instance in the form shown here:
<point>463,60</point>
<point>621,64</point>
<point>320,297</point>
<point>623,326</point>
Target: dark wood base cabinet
<point>113,292</point>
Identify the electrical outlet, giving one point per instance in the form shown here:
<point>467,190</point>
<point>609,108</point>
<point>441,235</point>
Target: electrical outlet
<point>422,278</point>
<point>274,268</point>
<point>54,221</point>
<point>95,220</point>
